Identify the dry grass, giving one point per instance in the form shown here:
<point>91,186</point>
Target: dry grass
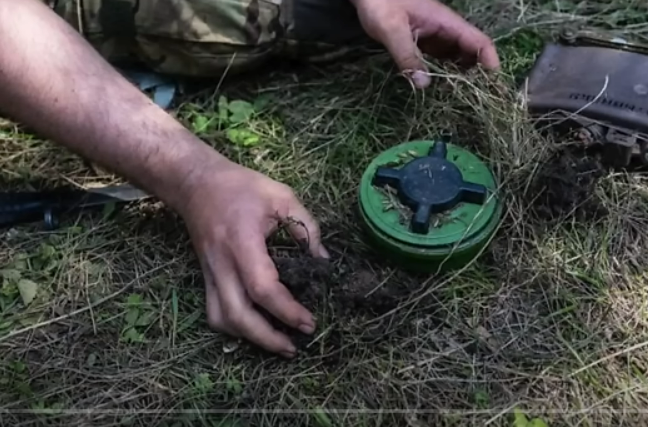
<point>551,320</point>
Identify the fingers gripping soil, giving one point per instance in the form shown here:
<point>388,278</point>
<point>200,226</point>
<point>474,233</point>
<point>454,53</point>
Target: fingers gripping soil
<point>261,280</point>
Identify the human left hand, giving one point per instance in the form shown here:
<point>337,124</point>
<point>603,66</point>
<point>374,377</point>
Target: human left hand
<point>408,28</point>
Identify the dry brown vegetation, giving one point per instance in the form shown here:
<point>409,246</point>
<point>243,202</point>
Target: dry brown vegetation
<point>550,321</point>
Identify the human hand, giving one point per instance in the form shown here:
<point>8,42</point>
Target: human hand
<point>408,28</point>
<point>230,211</point>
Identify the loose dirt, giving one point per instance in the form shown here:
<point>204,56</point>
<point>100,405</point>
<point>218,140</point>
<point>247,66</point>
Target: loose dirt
<point>346,284</point>
<point>565,187</point>
<point>346,287</point>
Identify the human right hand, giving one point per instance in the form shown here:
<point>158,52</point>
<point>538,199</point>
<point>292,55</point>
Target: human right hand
<point>230,211</point>
<point>408,28</point>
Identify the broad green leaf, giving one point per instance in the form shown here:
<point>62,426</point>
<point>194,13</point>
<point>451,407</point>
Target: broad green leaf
<point>134,299</point>
<point>520,420</point>
<point>20,263</point>
<point>27,290</point>
<point>537,422</point>
<point>243,137</point>
<point>18,366</point>
<point>131,335</point>
<point>132,316</point>
<point>11,274</point>
<point>200,124</point>
<point>24,389</point>
<point>47,251</point>
<point>240,111</point>
<point>9,289</point>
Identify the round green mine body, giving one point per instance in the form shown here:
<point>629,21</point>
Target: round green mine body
<point>430,206</point>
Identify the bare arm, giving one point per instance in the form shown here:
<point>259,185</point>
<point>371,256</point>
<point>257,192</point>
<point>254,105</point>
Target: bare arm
<point>53,81</point>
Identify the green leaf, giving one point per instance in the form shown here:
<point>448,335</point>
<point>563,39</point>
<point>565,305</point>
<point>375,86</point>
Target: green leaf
<point>20,263</point>
<point>537,422</point>
<point>47,251</point>
<point>203,382</point>
<point>132,316</point>
<point>519,420</point>
<point>240,111</point>
<point>18,366</point>
<point>27,290</point>
<point>145,319</point>
<point>322,418</point>
<point>200,124</point>
<point>24,389</point>
<point>11,274</point>
<point>134,300</point>
<point>131,335</point>
<point>243,137</point>
<point>9,289</point>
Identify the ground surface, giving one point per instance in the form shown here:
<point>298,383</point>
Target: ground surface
<point>550,322</point>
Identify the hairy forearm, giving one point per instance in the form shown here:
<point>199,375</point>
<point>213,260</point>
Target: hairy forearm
<point>53,81</point>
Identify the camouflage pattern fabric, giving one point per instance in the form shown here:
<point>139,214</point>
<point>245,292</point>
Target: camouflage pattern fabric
<point>205,38</point>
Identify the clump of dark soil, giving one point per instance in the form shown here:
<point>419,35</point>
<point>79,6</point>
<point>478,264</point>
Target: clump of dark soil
<point>565,187</point>
<point>346,287</point>
<point>306,278</point>
<point>346,284</point>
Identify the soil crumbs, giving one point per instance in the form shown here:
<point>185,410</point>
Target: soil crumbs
<point>565,186</point>
<point>350,286</point>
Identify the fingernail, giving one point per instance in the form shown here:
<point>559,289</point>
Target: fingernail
<point>323,252</point>
<point>288,354</point>
<point>421,79</point>
<point>306,328</point>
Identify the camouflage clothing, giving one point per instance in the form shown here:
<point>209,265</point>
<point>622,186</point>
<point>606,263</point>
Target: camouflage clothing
<point>204,38</point>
